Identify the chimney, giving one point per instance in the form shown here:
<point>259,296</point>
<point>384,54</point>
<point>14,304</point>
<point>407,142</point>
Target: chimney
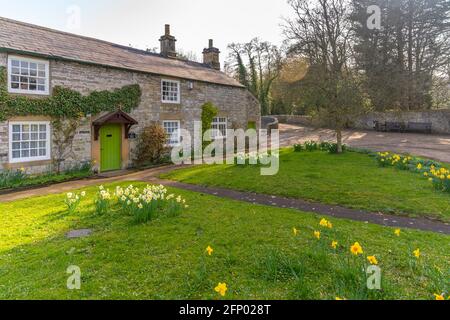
<point>168,44</point>
<point>211,56</point>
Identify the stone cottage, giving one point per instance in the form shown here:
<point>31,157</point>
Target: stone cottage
<point>37,61</point>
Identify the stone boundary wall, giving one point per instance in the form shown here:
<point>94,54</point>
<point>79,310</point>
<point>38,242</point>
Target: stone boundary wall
<point>293,119</point>
<point>440,119</point>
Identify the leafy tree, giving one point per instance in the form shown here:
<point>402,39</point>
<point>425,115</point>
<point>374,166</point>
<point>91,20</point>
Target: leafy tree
<point>402,59</point>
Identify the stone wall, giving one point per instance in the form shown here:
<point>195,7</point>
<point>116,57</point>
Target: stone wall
<point>295,119</point>
<point>235,103</point>
<point>440,119</point>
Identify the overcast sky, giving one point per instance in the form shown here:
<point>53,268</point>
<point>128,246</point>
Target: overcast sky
<point>140,23</point>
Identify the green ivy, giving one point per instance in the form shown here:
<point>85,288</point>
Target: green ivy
<point>209,112</point>
<point>65,102</point>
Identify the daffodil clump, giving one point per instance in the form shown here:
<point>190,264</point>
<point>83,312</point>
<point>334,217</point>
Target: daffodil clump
<point>311,146</point>
<point>102,202</point>
<point>429,169</point>
<point>255,158</point>
<point>147,204</point>
<point>72,201</point>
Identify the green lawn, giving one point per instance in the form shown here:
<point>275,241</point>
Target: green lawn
<point>255,253</point>
<point>353,180</point>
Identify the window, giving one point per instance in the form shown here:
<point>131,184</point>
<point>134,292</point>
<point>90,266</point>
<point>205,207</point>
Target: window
<point>219,127</point>
<point>29,141</point>
<point>172,129</point>
<point>28,75</point>
<point>170,91</point>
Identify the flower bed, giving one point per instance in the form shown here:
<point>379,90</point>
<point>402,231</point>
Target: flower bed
<point>150,203</point>
<point>17,179</point>
<point>430,169</point>
<point>311,146</point>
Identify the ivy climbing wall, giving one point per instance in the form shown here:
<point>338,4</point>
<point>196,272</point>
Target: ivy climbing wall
<point>87,90</point>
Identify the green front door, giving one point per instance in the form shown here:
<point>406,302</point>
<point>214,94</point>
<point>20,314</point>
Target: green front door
<point>110,147</point>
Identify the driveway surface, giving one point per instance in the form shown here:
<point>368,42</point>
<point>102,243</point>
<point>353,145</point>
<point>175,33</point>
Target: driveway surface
<point>435,147</point>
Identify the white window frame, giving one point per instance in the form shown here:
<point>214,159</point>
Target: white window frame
<point>178,92</point>
<point>179,132</point>
<point>29,60</point>
<point>30,159</point>
<point>215,127</point>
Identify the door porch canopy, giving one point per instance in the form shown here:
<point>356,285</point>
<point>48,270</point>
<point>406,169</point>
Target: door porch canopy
<point>117,117</point>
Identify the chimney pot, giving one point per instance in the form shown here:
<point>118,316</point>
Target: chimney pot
<point>211,56</point>
<point>168,42</point>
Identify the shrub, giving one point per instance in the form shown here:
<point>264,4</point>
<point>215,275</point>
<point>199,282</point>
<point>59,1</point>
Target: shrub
<point>209,112</point>
<point>151,145</point>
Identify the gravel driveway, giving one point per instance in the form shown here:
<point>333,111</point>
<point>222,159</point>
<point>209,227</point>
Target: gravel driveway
<point>435,147</point>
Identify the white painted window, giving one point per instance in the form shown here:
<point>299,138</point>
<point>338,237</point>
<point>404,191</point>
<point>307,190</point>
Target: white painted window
<point>172,129</point>
<point>170,91</point>
<point>219,127</point>
<point>29,141</point>
<point>26,75</point>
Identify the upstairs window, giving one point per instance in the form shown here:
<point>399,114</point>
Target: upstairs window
<point>170,91</point>
<point>29,141</point>
<point>30,76</point>
<point>219,127</point>
<point>172,129</point>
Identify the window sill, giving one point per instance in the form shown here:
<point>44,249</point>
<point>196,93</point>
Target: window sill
<point>28,93</point>
<point>36,163</point>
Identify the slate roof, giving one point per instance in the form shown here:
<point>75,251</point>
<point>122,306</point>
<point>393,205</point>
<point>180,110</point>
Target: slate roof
<point>30,39</point>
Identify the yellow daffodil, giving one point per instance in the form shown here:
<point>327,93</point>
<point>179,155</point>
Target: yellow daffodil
<point>295,231</point>
<point>323,223</point>
<point>372,260</point>
<point>329,225</point>
<point>425,174</point>
<point>356,249</point>
<point>340,299</point>
<point>439,297</point>
<point>419,166</point>
<point>317,234</point>
<point>416,253</point>
<point>397,232</point>
<point>209,250</point>
<point>221,289</point>
<point>334,244</point>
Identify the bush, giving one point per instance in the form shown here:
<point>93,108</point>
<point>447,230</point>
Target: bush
<point>151,146</point>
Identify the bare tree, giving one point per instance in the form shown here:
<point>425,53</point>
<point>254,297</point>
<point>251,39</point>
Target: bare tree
<point>256,64</point>
<point>321,32</point>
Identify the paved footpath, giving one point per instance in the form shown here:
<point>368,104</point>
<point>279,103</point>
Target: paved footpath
<point>151,176</point>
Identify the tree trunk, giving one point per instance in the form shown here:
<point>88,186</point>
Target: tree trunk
<point>339,140</point>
